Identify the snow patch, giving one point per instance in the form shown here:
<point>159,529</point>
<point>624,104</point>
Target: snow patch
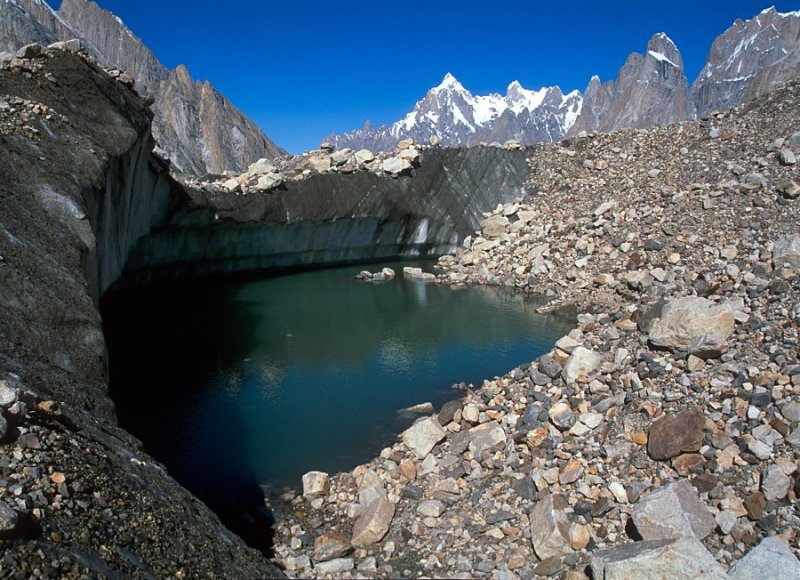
<point>661,57</point>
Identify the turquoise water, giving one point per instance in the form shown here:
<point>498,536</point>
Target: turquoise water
<point>236,384</point>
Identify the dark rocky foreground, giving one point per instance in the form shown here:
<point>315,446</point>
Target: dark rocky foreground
<point>661,437</point>
<point>78,496</point>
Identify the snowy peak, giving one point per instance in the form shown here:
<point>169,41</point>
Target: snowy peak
<point>449,83</point>
<point>663,49</point>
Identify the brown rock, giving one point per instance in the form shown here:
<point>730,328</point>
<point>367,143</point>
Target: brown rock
<point>331,545</point>
<point>675,434</point>
<point>684,464</point>
<point>373,523</point>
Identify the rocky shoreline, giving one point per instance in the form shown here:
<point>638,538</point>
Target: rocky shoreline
<point>661,437</point>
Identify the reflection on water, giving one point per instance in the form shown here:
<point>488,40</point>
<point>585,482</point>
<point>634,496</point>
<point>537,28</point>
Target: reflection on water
<point>235,384</point>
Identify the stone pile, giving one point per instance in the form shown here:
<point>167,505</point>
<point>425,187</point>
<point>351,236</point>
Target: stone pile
<point>267,175</point>
<point>660,437</point>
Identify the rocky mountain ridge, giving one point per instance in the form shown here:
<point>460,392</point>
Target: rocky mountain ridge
<point>651,89</point>
<point>196,127</point>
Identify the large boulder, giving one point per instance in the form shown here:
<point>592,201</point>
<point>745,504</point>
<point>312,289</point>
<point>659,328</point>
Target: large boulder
<point>422,436</point>
<point>582,361</point>
<point>373,523</point>
<point>495,226</point>
<point>684,558</point>
<point>549,529</point>
<point>672,511</point>
<point>694,325</point>
<point>772,559</point>
<point>395,166</point>
<point>672,435</point>
<point>786,252</point>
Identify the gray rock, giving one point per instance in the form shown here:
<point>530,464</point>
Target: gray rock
<point>3,426</point>
<point>672,511</point>
<point>683,558</point>
<point>550,366</point>
<point>395,165</point>
<point>582,361</point>
<point>430,508</point>
<point>755,179</point>
<point>495,226</point>
<point>315,484</point>
<point>422,436</point>
<point>790,411</point>
<point>319,163</point>
<point>786,157</point>
<point>364,156</point>
<point>549,529</point>
<point>775,483</point>
<point>8,394</point>
<point>370,488</point>
<point>771,559</point>
<point>269,181</point>
<point>336,566</point>
<point>72,45</point>
<point>8,521</point>
<point>786,251</point>
<point>261,167</point>
<point>694,325</point>
<point>373,523</point>
<point>486,436</point>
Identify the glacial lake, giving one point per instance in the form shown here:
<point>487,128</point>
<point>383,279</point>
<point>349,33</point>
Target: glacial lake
<point>236,384</point>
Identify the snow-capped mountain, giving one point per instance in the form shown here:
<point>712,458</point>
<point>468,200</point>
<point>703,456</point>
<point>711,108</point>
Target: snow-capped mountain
<point>456,116</point>
<point>749,59</point>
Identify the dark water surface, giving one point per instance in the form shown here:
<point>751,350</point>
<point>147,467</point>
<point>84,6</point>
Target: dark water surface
<point>233,384</point>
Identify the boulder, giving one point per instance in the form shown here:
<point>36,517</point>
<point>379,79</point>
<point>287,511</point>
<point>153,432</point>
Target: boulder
<point>33,50</point>
<point>582,361</point>
<point>373,523</point>
<point>486,436</point>
<point>370,488</point>
<point>422,436</point>
<point>337,566</point>
<point>775,484</point>
<point>395,165</point>
<point>434,140</point>
<point>71,45</point>
<point>771,559</point>
<point>319,163</point>
<point>694,325</point>
<point>8,521</point>
<point>495,226</point>
<point>326,146</point>
<point>405,143</point>
<point>672,511</point>
<point>364,156</point>
<point>260,167</point>
<point>269,181</point>
<point>786,252</point>
<point>331,545</point>
<point>342,156</point>
<point>549,529</point>
<point>672,435</point>
<point>315,484</point>
<point>683,558</point>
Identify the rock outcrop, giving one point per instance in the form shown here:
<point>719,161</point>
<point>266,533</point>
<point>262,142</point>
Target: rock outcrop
<point>650,90</point>
<point>748,60</point>
<point>79,496</point>
<point>195,126</point>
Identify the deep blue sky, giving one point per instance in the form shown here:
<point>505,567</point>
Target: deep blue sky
<point>305,68</point>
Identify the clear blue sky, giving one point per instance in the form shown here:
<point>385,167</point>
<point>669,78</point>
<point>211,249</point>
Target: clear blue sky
<point>304,68</point>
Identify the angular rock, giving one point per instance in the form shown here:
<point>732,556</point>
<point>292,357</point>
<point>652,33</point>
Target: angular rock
<point>395,165</point>
<point>8,521</point>
<point>33,50</point>
<point>671,511</point>
<point>771,559</point>
<point>495,226</point>
<point>694,325</point>
<point>422,436</point>
<point>682,557</point>
<point>261,167</point>
<point>775,483</point>
<point>8,394</point>
<point>486,436</point>
<point>331,545</point>
<point>269,181</point>
<point>320,163</point>
<point>430,508</point>
<point>786,252</point>
<point>549,529</point>
<point>315,484</point>
<point>364,156</point>
<point>582,361</point>
<point>336,566</point>
<point>373,523</point>
<point>370,488</point>
<point>672,435</point>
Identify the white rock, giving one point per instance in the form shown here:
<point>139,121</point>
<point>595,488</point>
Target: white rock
<point>422,436</point>
<point>315,483</point>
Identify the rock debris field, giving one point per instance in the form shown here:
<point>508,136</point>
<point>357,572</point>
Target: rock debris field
<point>661,437</point>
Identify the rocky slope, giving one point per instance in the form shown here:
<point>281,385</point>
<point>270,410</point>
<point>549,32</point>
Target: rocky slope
<point>78,495</point>
<point>662,435</point>
<point>196,127</point>
<point>748,60</point>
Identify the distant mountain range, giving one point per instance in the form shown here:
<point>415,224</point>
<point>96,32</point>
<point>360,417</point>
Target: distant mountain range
<point>747,60</point>
<point>199,129</point>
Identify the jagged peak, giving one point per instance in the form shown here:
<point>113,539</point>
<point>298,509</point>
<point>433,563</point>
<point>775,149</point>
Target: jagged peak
<point>662,36</point>
<point>449,83</point>
<point>514,86</point>
<point>663,49</point>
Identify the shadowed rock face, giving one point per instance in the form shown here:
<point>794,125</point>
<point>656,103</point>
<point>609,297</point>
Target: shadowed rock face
<point>195,125</point>
<point>75,195</point>
<point>747,60</point>
<point>650,90</point>
<point>333,218</point>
